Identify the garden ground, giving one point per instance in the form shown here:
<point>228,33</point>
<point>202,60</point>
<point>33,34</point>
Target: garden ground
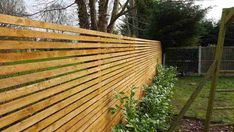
<point>186,85</point>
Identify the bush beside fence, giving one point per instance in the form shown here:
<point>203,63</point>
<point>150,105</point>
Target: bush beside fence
<point>59,78</point>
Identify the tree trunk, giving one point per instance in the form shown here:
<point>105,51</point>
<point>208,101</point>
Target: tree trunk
<point>93,14</point>
<point>128,26</point>
<point>113,16</point>
<point>133,15</point>
<point>83,14</point>
<point>102,20</point>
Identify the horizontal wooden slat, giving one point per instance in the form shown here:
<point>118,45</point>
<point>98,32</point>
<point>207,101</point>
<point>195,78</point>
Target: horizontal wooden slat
<point>102,92</point>
<point>4,108</point>
<point>104,96</point>
<point>221,124</point>
<point>98,117</point>
<point>9,57</point>
<point>224,108</point>
<point>38,106</point>
<point>50,84</point>
<point>9,95</point>
<point>10,69</point>
<point>95,107</point>
<point>89,115</point>
<point>41,115</point>
<point>21,102</point>
<point>102,122</point>
<point>225,90</point>
<point>11,44</point>
<point>51,35</point>
<point>39,24</point>
<point>226,71</point>
<point>13,81</point>
<point>106,112</point>
<point>110,101</point>
<point>115,120</point>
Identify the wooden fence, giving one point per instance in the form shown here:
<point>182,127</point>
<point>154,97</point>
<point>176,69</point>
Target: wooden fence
<point>197,60</point>
<point>62,78</point>
<point>227,62</point>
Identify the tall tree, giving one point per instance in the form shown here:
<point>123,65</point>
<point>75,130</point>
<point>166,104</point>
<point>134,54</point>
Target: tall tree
<point>114,13</point>
<point>133,18</point>
<point>93,14</point>
<point>137,20</point>
<point>102,19</point>
<point>209,33</point>
<point>229,39</point>
<point>97,14</point>
<point>12,7</point>
<point>83,14</point>
<point>176,23</point>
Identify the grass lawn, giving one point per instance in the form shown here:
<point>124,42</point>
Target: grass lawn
<point>186,85</point>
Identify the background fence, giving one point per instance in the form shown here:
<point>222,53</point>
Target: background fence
<point>61,78</point>
<point>198,59</point>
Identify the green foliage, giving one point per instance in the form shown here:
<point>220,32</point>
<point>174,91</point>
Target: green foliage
<point>229,39</point>
<point>132,116</point>
<point>152,112</point>
<point>176,23</point>
<point>144,9</point>
<point>209,33</point>
<point>157,102</point>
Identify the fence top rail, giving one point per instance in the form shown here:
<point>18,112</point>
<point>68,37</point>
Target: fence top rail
<point>20,21</point>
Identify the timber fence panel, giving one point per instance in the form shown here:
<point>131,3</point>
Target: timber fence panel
<point>227,62</point>
<point>62,78</point>
<point>184,58</point>
<point>197,60</point>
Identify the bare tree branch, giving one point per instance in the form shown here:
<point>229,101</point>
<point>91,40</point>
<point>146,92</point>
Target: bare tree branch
<point>55,16</point>
<point>121,13</point>
<point>48,10</point>
<point>113,15</point>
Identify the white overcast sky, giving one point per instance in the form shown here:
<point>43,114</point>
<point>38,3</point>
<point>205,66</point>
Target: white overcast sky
<point>218,5</point>
<point>214,13</point>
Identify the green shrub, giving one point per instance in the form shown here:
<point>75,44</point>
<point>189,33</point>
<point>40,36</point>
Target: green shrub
<point>157,102</point>
<point>153,111</point>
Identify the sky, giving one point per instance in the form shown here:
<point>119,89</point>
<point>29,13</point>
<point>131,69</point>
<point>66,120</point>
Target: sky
<point>214,13</point>
<point>217,6</point>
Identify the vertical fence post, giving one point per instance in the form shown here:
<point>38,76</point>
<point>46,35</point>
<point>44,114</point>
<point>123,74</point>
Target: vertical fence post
<point>164,59</point>
<point>199,59</point>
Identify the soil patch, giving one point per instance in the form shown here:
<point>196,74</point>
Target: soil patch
<point>197,125</point>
